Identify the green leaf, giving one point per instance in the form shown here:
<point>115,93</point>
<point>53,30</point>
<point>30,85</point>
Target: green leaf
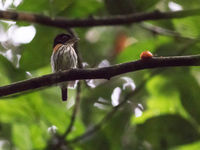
<point>23,105</point>
<point>21,136</point>
<point>189,92</point>
<point>53,8</point>
<point>188,27</point>
<point>60,5</point>
<point>38,135</point>
<point>80,8</point>
<point>188,89</point>
<point>166,131</point>
<point>192,146</point>
<point>37,6</point>
<point>116,127</point>
<point>48,7</point>
<point>158,101</point>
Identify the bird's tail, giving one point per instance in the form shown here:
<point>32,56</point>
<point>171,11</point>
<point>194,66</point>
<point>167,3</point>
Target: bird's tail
<point>64,93</point>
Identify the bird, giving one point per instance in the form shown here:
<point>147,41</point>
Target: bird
<point>64,57</point>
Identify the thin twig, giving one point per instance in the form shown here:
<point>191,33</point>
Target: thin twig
<point>99,73</point>
<point>162,31</point>
<point>74,114</point>
<point>89,22</point>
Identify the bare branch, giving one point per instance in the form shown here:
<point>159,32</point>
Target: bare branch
<point>104,21</point>
<point>99,73</point>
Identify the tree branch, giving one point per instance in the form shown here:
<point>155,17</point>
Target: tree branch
<point>104,21</point>
<point>99,73</point>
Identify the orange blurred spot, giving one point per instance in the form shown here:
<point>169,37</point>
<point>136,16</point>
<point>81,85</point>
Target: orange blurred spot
<point>120,42</point>
<point>146,55</point>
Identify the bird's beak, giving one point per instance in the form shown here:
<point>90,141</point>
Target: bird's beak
<point>73,40</point>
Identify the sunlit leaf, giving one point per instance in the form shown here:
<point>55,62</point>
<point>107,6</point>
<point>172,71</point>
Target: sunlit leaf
<point>158,101</point>
<point>21,136</point>
<point>189,92</point>
<point>188,27</point>
<point>192,146</point>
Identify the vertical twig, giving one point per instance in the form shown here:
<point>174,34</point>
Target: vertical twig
<point>74,114</point>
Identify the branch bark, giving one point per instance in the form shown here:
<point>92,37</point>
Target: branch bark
<point>99,73</point>
<point>88,22</point>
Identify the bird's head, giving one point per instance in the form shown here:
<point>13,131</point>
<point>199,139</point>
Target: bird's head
<point>65,39</point>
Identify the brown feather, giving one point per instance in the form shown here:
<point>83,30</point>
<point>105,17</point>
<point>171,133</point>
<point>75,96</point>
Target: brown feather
<point>57,47</point>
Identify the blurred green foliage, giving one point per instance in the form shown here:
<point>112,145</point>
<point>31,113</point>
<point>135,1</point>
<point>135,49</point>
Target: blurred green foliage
<point>163,115</point>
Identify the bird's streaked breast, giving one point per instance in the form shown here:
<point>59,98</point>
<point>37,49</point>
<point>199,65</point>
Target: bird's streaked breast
<point>63,58</point>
